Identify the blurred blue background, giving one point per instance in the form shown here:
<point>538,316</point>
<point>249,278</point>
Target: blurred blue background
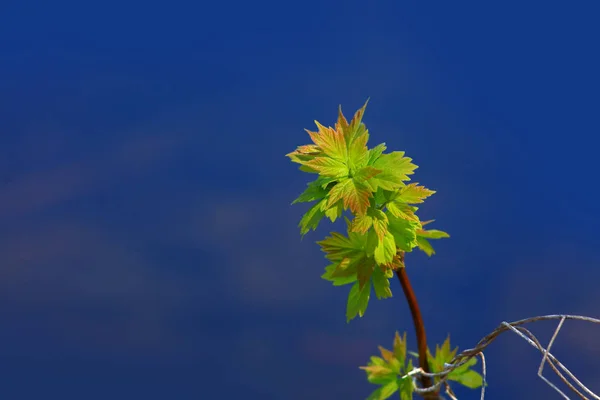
<point>148,248</point>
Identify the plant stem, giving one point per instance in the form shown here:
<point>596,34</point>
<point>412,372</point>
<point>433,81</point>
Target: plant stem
<point>419,328</point>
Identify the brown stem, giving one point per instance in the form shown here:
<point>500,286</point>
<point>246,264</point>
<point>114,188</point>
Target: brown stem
<point>419,328</point>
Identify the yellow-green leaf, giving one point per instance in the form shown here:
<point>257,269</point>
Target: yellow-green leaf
<point>327,166</point>
<point>385,250</point>
<point>425,246</point>
<point>336,280</point>
<point>380,224</point>
<point>432,234</point>
<point>355,195</point>
<point>413,194</point>
<point>331,142</point>
<point>395,170</point>
<point>311,219</point>
<point>364,269</point>
<point>381,283</point>
<point>362,223</point>
<point>358,300</point>
<point>400,347</point>
<point>358,153</point>
<point>402,210</point>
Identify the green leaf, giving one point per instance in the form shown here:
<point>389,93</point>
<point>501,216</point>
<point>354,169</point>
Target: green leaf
<point>327,166</point>
<point>380,197</point>
<point>358,300</point>
<point>331,141</point>
<point>375,153</point>
<point>362,223</point>
<point>470,379</point>
<point>395,170</point>
<point>366,173</point>
<point>465,376</point>
<point>337,246</point>
<point>311,219</point>
<point>381,283</point>
<point>364,269</point>
<point>344,269</point>
<point>373,217</point>
<point>400,347</point>
<point>378,371</point>
<point>385,391</point>
<point>380,223</point>
<point>304,153</point>
<point>356,125</point>
<point>354,193</point>
<point>334,212</point>
<point>335,279</point>
<point>406,387</point>
<point>313,192</point>
<point>402,210</point>
<point>342,125</point>
<point>432,234</point>
<point>404,232</point>
<point>425,246</point>
<point>358,153</point>
<point>385,250</point>
<point>371,244</point>
<point>413,194</point>
<point>462,374</point>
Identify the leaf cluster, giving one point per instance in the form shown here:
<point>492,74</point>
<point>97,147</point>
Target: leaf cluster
<point>372,186</point>
<point>463,374</point>
<point>390,371</point>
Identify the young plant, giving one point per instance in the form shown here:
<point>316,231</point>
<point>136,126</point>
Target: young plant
<point>369,188</point>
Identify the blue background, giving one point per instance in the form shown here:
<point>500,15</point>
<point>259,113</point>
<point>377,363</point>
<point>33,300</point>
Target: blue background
<point>148,248</point>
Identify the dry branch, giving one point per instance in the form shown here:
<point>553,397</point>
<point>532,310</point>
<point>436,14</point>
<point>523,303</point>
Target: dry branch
<point>576,386</point>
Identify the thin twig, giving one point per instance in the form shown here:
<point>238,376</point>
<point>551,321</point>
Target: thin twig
<point>530,338</point>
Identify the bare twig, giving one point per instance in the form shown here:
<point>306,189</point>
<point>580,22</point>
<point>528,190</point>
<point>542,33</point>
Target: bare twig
<point>576,386</point>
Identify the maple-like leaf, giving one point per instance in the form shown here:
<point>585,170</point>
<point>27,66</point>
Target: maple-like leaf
<point>334,212</point>
<point>327,166</point>
<point>385,250</point>
<point>375,153</point>
<point>362,223</point>
<point>432,234</point>
<point>463,374</point>
<point>337,277</point>
<point>364,269</point>
<point>381,282</point>
<point>400,346</point>
<point>358,300</point>
<point>337,246</point>
<point>356,127</point>
<point>354,194</point>
<point>304,153</point>
<point>340,156</point>
<point>424,245</point>
<point>314,191</point>
<point>413,194</point>
<point>384,392</point>
<point>358,153</point>
<point>349,256</point>
<point>390,371</point>
<point>402,210</point>
<point>404,232</point>
<point>330,141</point>
<point>423,235</point>
<point>311,219</point>
<point>395,170</point>
<point>373,218</point>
